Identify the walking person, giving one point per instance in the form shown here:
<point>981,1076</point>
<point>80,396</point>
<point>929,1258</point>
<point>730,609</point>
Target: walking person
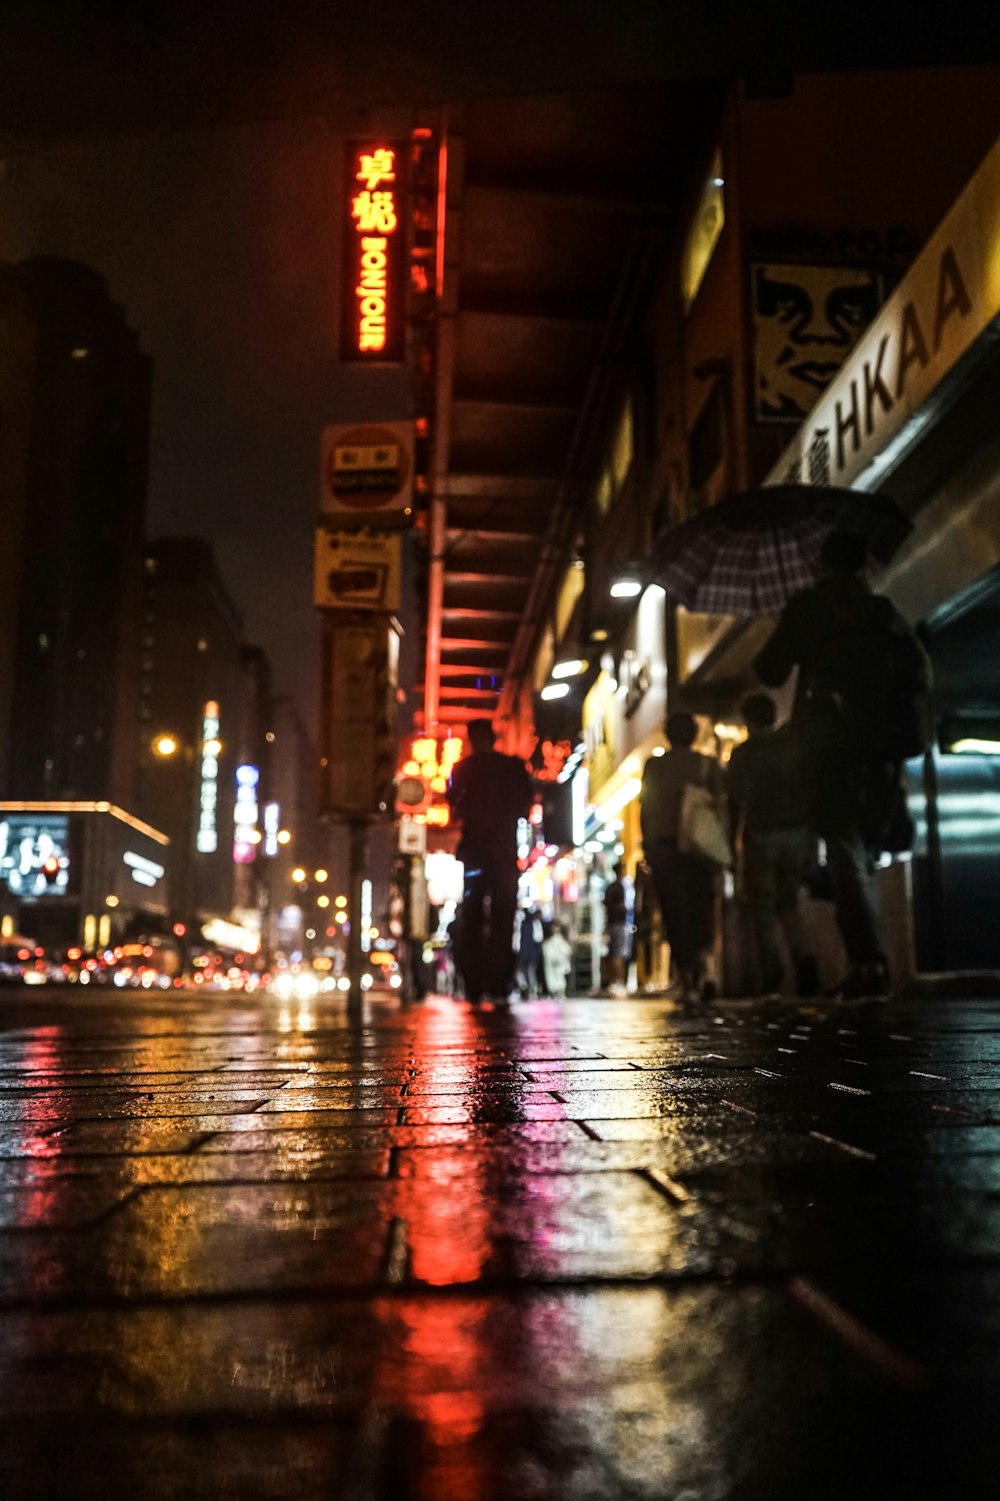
<point>862,681</point>
<point>768,825</point>
<point>557,958</point>
<point>684,881</point>
<point>488,793</point>
<point>529,953</point>
<point>617,924</point>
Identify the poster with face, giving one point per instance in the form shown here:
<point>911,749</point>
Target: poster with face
<point>806,320</point>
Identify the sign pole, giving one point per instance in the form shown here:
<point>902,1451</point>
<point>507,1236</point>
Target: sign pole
<point>355,954</point>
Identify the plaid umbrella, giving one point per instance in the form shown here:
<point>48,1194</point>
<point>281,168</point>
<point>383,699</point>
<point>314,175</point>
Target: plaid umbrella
<point>750,553</point>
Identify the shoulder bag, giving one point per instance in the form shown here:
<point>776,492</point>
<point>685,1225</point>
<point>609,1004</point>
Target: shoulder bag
<point>701,829</point>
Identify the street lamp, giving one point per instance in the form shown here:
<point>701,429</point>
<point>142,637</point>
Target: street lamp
<point>165,746</point>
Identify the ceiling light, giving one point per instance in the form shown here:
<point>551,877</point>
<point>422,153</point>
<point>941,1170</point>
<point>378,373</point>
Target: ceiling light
<point>973,745</point>
<point>626,589</point>
<point>555,690</point>
<point>569,669</point>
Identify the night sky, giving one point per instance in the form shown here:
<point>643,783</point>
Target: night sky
<point>221,246</point>
<point>221,241</point>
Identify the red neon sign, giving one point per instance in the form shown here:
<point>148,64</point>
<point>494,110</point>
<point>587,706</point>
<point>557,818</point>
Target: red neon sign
<point>375,250</point>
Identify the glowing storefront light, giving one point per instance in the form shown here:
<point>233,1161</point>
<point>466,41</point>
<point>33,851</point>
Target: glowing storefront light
<point>366,915</point>
<point>629,789</point>
<point>272,829</point>
<point>207,840</point>
<point>245,815</point>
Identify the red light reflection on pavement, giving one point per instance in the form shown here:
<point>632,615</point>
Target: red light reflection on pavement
<point>447,1215</point>
<point>41,1149</point>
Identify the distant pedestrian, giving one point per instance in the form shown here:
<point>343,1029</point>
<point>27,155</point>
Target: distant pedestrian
<point>557,957</point>
<point>529,952</point>
<point>489,792</point>
<point>768,825</point>
<point>646,927</point>
<point>617,922</point>
<point>863,679</point>
<point>685,882</point>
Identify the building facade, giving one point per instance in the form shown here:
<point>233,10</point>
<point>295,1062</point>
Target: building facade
<point>76,391</point>
<point>804,217</point>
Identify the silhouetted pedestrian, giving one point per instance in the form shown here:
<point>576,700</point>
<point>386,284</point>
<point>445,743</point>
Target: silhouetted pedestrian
<point>489,792</point>
<point>768,825</point>
<point>862,677</point>
<point>684,881</point>
<point>617,922</point>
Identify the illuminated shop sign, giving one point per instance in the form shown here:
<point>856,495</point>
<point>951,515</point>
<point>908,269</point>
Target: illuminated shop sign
<point>430,764</point>
<point>375,253</point>
<point>272,826</point>
<point>208,807</point>
<point>245,815</point>
<point>881,398</point>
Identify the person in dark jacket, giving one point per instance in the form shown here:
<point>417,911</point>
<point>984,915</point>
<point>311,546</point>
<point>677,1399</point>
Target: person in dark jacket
<point>685,883</point>
<point>849,767</point>
<point>768,824</point>
<point>618,928</point>
<point>488,793</point>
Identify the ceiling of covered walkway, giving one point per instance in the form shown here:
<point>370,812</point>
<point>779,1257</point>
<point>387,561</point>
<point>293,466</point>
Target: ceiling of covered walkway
<point>555,205</point>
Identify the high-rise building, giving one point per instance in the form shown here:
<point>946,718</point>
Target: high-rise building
<point>74,412</point>
<point>76,864</point>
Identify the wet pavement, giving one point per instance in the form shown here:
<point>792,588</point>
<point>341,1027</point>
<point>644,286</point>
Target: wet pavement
<point>588,1249</point>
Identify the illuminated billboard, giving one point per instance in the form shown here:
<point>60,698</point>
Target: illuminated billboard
<point>34,854</point>
<point>372,313</point>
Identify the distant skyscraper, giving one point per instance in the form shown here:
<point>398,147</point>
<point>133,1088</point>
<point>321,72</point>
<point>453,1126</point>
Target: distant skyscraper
<point>188,720</point>
<point>74,411</point>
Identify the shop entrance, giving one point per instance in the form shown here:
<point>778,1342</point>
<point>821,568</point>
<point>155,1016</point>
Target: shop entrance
<point>956,799</point>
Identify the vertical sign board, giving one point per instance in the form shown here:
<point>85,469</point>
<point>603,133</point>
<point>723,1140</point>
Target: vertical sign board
<point>374,278</point>
<point>359,733</point>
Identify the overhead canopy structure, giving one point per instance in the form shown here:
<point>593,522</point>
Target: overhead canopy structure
<point>555,207</point>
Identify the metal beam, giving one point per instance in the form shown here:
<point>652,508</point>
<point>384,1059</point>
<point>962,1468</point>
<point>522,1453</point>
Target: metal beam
<point>471,643</point>
<point>493,486</point>
<point>459,533</point>
<point>466,612</point>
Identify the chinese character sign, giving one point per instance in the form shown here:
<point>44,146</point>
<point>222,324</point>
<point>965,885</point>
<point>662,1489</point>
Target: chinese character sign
<point>374,253</point>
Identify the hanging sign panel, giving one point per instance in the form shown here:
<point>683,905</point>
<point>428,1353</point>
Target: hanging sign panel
<point>358,569</point>
<point>372,312</point>
<point>367,473</point>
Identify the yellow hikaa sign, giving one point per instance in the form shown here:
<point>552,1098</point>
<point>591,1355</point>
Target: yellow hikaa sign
<point>949,296</point>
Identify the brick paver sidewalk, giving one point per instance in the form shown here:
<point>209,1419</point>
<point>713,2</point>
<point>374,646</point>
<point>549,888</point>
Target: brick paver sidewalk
<point>590,1249</point>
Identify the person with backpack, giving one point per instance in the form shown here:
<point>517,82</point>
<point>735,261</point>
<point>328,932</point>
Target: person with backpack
<point>863,681</point>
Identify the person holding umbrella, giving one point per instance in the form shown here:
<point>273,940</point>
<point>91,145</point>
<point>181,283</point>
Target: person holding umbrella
<point>861,675</point>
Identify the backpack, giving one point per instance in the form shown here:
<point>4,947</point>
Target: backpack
<point>873,682</point>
